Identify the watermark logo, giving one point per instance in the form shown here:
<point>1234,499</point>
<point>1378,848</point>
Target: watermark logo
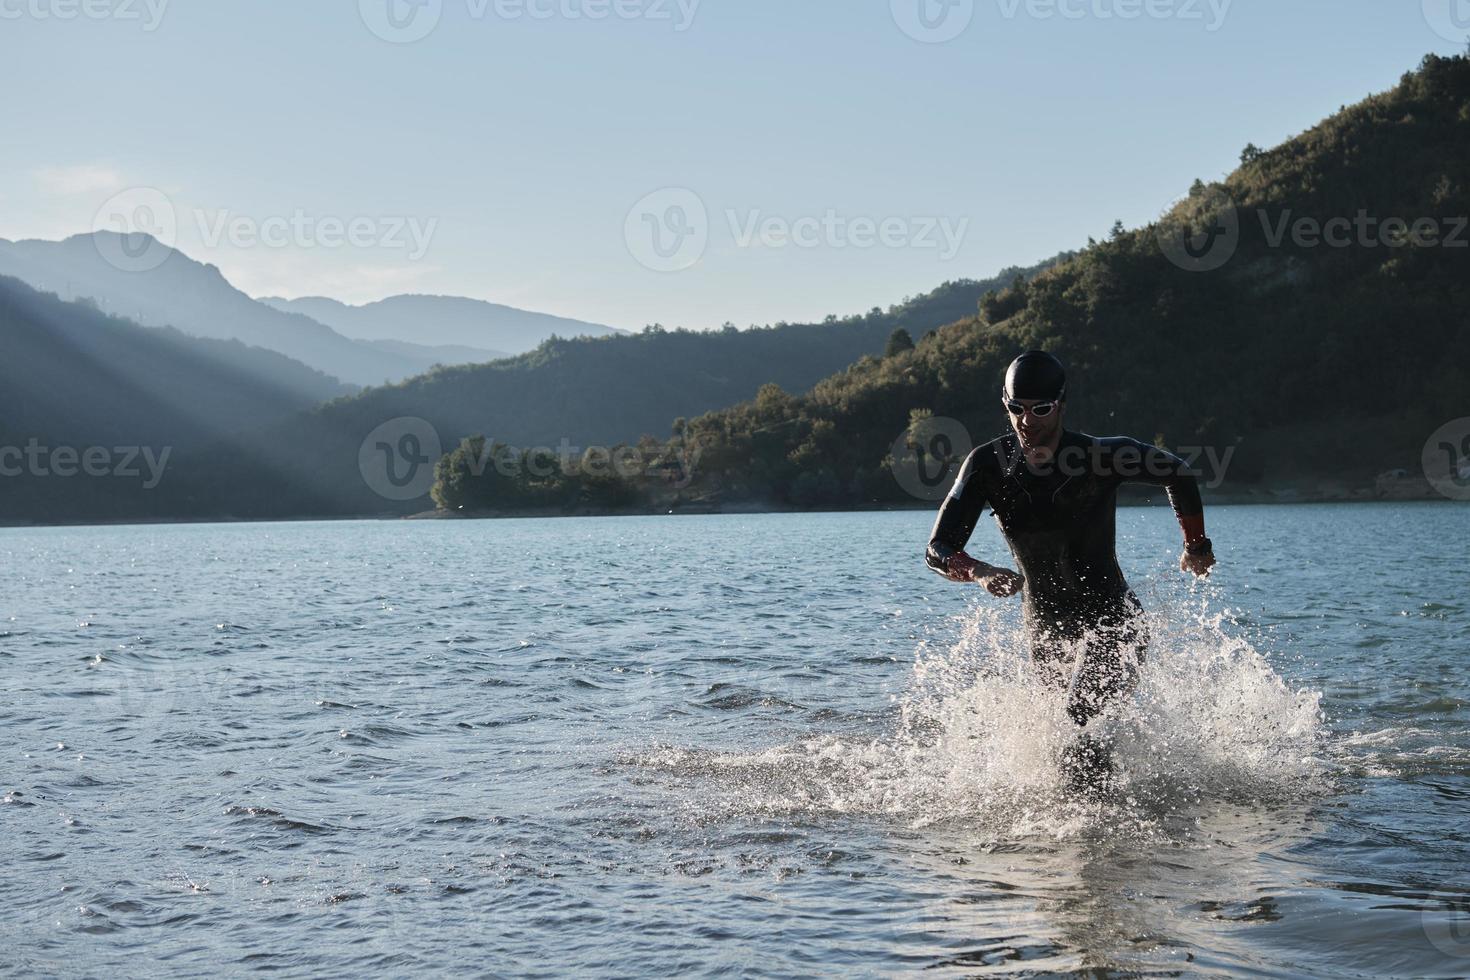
<point>146,691</point>
<point>680,13</point>
<point>407,21</point>
<point>401,21</point>
<point>933,21</point>
<point>149,13</point>
<point>926,456</point>
<point>668,230</point>
<point>1203,234</point>
<point>1446,459</point>
<point>144,463</point>
<point>672,465</point>
<point>1211,13</point>
<point>397,458</point>
<point>300,229</point>
<point>1363,230</point>
<point>135,229</point>
<point>833,230</point>
<point>1448,928</point>
<point>1450,19</point>
<point>938,21</point>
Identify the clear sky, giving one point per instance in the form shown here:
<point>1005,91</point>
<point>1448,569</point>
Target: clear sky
<point>786,159</point>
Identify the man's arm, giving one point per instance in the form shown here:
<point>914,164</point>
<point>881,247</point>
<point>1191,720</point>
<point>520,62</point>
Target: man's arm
<point>1161,468</point>
<point>952,529</point>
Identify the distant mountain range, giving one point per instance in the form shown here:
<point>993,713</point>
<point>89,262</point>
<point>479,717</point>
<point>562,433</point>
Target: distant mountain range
<point>75,380</point>
<point>196,299</point>
<point>284,442</point>
<point>452,321</point>
<point>1300,358</point>
<point>71,372</point>
<point>584,391</point>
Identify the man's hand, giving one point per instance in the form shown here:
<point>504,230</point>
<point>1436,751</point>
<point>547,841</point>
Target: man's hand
<point>1197,564</point>
<point>1000,582</point>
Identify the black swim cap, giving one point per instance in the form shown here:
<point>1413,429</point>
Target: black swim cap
<point>1036,374</point>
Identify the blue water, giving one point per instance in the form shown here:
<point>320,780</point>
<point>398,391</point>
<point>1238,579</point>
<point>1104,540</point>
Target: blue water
<point>757,745</point>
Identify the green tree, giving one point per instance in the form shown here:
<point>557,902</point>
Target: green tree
<point>898,342</point>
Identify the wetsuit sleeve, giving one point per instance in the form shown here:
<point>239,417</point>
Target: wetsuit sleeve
<point>956,522</point>
<point>1161,468</point>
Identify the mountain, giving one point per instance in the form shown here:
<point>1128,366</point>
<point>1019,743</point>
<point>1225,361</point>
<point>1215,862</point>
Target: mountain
<point>438,355</point>
<point>74,377</point>
<point>1305,314</point>
<point>1314,327</point>
<point>196,299</point>
<point>617,387</point>
<point>441,320</point>
<point>70,371</point>
<point>583,391</point>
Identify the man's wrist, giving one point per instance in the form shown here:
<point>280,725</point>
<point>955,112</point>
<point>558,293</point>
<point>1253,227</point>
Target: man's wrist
<point>1200,546</point>
<point>962,567</point>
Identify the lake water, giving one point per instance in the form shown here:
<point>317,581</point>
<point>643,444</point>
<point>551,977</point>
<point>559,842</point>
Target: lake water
<point>753,745</point>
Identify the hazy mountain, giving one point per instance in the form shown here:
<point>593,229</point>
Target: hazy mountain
<point>437,356</point>
<point>588,391</point>
<point>68,370</point>
<point>196,299</point>
<point>441,320</point>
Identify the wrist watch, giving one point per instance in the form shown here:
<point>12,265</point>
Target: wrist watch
<point>1201,547</point>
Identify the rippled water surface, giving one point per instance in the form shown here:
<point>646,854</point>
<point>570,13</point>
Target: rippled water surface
<point>757,745</point>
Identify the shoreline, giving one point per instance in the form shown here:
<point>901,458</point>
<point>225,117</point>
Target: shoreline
<point>1261,498</point>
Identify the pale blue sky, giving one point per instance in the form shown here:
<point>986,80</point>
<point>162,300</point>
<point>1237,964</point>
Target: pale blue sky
<point>515,146</point>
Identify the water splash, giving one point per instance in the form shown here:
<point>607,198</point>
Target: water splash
<point>978,734</point>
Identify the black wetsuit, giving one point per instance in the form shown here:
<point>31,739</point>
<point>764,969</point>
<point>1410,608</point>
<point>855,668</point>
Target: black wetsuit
<point>1060,525</point>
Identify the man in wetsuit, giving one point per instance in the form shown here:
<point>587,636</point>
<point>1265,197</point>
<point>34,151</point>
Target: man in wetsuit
<point>1053,493</point>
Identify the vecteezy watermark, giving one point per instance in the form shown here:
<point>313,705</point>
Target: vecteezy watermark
<point>397,458</point>
<point>933,21</point>
<point>1446,459</point>
<point>407,21</point>
<point>141,227</point>
<point>671,465</point>
<point>146,689</point>
<point>1362,230</point>
<point>144,227</point>
<point>148,13</point>
<point>1450,19</point>
<point>938,21</point>
<point>670,230</point>
<point>63,462</point>
<point>302,230</point>
<point>926,459</point>
<point>1203,232</point>
<point>401,21</point>
<point>1446,925</point>
<point>833,230</point>
<point>1211,13</point>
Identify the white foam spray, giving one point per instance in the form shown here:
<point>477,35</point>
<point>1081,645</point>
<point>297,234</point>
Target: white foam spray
<point>978,734</point>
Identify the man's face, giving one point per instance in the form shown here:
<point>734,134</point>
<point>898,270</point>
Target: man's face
<point>1034,431</point>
